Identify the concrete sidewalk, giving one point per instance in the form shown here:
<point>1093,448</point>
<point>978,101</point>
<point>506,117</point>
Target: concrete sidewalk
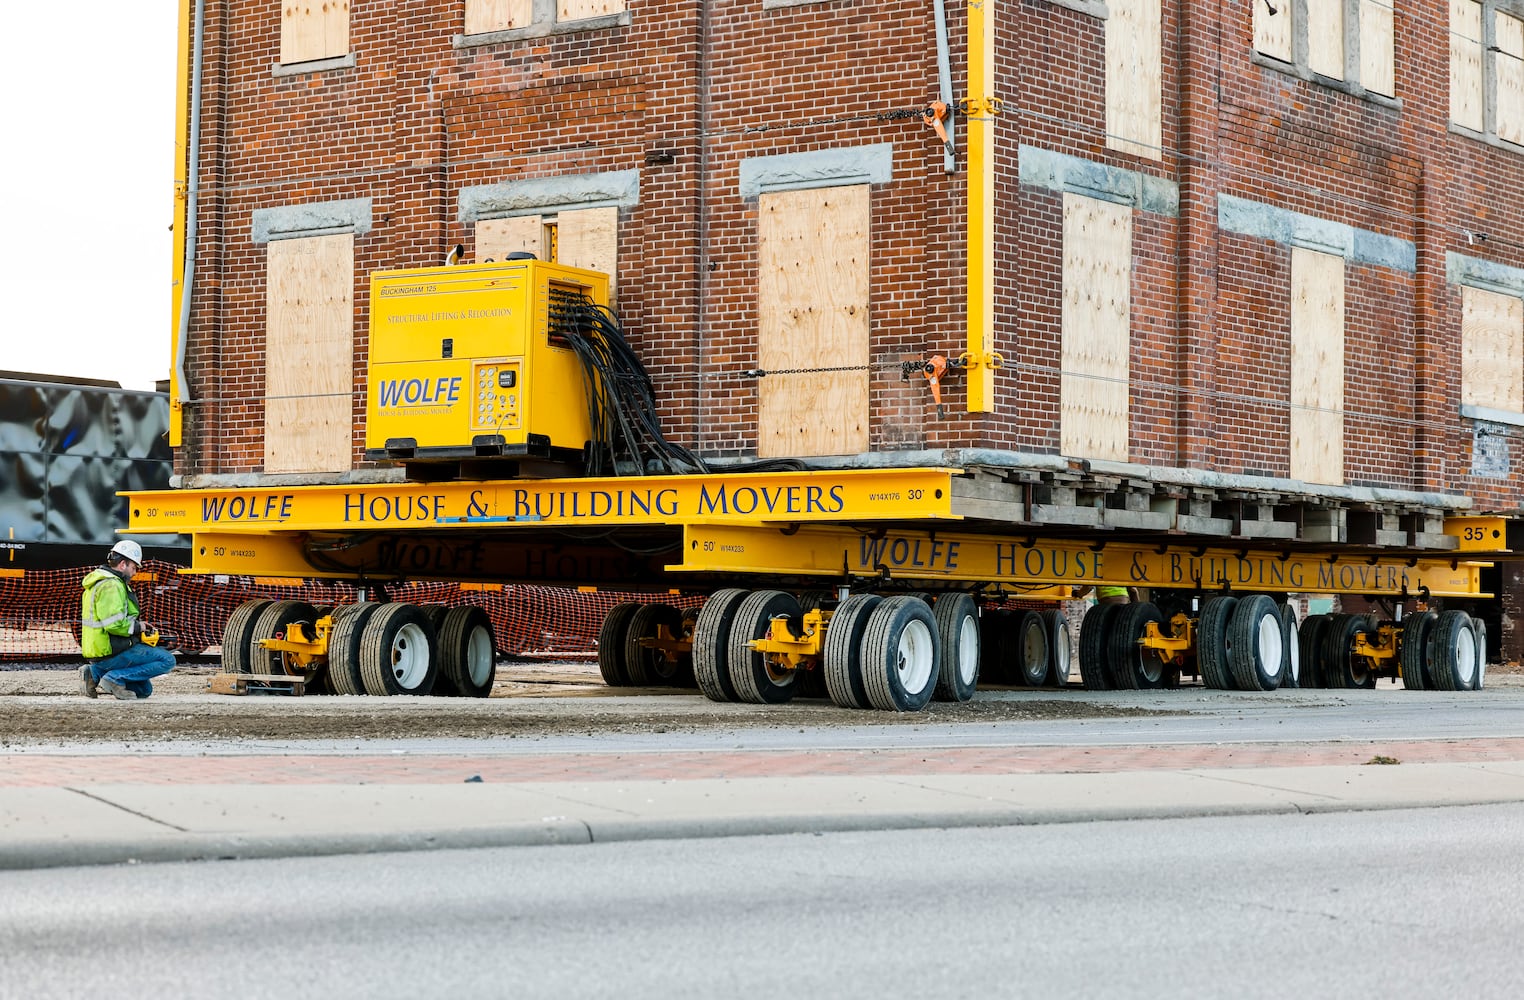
<point>112,823</point>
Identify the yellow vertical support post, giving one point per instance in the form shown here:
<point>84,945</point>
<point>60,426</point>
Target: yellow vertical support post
<point>981,110</point>
<point>177,243</point>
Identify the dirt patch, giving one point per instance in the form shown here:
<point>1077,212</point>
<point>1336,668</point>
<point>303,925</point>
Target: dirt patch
<point>528,700</point>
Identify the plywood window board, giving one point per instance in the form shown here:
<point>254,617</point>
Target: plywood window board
<point>1508,64</point>
<point>1492,350</point>
<point>1317,367</point>
<point>1325,37</point>
<point>1272,30</point>
<point>1096,329</point>
<point>309,355</point>
<point>1377,46</point>
<point>1134,113</point>
<point>812,312</point>
<point>581,10</point>
<point>589,237</point>
<point>497,238</point>
<point>1466,83</point>
<point>483,16</point>
<point>313,29</point>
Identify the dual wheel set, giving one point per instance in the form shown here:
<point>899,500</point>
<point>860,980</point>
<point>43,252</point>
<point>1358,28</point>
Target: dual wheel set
<point>1436,650</point>
<point>365,648</point>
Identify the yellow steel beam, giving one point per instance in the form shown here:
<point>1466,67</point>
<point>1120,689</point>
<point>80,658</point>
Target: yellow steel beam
<point>981,108</point>
<point>925,555</point>
<point>1479,534</point>
<point>177,218</point>
<point>857,495</point>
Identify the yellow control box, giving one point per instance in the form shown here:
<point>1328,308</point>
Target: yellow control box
<point>467,362</point>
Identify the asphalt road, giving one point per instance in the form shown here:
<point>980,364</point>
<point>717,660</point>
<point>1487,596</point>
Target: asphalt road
<point>1411,903</point>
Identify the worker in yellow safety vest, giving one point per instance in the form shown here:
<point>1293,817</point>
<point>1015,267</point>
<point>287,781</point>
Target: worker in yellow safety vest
<point>121,652</point>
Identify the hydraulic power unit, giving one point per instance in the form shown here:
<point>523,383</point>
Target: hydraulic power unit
<point>466,362</point>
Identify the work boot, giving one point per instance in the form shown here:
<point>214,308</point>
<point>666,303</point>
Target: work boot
<point>116,690</point>
<point>88,686</point>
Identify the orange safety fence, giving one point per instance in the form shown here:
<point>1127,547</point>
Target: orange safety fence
<point>39,610</point>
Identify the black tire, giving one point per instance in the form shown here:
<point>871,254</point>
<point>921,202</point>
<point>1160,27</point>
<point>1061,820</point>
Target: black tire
<point>272,621</point>
<point>398,652</point>
<point>1480,628</point>
<point>1133,667</point>
<point>1029,649</point>
<point>843,653</point>
<point>467,652</point>
<point>1413,649</point>
<point>349,622</point>
<point>436,613</point>
<point>957,618</point>
<point>611,635</point>
<point>642,664</point>
<point>1310,645</point>
<point>711,644</point>
<point>809,600</point>
<point>1338,666</point>
<point>1451,652</point>
<point>993,646</point>
<point>238,633</point>
<point>1255,647</point>
<point>901,655</point>
<point>1060,646</point>
<point>1291,649</point>
<point>757,680</point>
<point>683,677</point>
<point>1213,643</point>
<point>1095,636</point>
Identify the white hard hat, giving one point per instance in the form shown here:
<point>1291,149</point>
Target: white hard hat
<point>128,549</point>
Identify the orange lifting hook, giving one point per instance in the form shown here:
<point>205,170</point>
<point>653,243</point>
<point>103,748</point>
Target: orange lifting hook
<point>936,113</point>
<point>935,367</point>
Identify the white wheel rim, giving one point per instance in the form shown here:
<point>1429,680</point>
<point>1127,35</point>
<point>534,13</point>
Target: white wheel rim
<point>1269,642</point>
<point>1062,651</point>
<point>1294,657</point>
<point>1465,657</point>
<point>968,650</point>
<point>915,656</point>
<point>479,655</point>
<point>1481,656</point>
<point>410,656</point>
<point>1031,637</point>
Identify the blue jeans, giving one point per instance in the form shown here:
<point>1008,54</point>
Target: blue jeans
<point>133,667</point>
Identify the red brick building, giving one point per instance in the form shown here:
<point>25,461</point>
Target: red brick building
<point>1270,248</point>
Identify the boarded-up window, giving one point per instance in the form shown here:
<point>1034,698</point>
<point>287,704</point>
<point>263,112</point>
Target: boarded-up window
<point>1508,64</point>
<point>812,312</point>
<point>483,16</point>
<point>577,10</point>
<point>1376,46</point>
<point>1466,100</point>
<point>1272,29</point>
<point>1097,327</point>
<point>1317,366</point>
<point>309,354</point>
<point>586,237</point>
<point>1133,115</point>
<point>313,29</point>
<point>1325,37</point>
<point>1492,350</point>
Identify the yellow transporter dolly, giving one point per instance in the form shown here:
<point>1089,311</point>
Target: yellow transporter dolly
<point>893,565</point>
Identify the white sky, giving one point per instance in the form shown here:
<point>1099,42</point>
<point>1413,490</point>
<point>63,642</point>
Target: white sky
<point>89,122</point>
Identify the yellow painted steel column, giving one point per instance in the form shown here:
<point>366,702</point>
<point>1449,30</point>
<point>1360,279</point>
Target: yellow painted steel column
<point>177,250</point>
<point>981,107</point>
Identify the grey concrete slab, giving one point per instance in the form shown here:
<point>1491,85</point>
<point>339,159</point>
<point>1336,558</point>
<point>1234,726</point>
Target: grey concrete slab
<point>63,813</point>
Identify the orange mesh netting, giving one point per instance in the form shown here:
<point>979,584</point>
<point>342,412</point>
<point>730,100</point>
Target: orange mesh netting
<point>39,612</point>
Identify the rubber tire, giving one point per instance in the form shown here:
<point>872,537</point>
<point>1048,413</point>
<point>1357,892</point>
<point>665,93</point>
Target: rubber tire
<point>645,666</point>
<point>843,653</point>
<point>1095,635</point>
<point>748,668</point>
<point>611,635</point>
<point>1130,663</point>
<point>459,631</point>
<point>349,622</point>
<point>1413,650</point>
<point>1291,649</point>
<point>1310,644</point>
<point>274,618</point>
<point>957,618</point>
<point>1060,646</point>
<point>379,647</point>
<point>711,642</point>
<point>1338,671</point>
<point>1451,652</point>
<point>894,624</point>
<point>1029,649</point>
<point>1256,621</point>
<point>1480,628</point>
<point>238,633</point>
<point>1213,643</point>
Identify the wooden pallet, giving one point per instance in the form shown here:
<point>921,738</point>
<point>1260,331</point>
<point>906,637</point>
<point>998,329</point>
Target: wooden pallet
<point>263,683</point>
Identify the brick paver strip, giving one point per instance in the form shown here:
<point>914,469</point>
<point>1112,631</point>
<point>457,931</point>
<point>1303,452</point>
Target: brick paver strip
<point>42,770</point>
